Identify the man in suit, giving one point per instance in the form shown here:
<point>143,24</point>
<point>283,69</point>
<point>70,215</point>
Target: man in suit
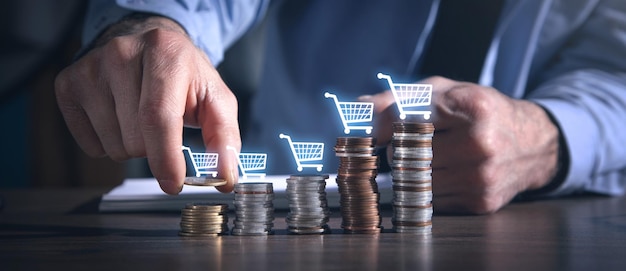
<point>534,105</point>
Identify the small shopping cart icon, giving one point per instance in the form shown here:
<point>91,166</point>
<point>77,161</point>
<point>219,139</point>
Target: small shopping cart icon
<point>353,112</point>
<point>409,96</point>
<point>306,152</point>
<point>248,162</point>
<point>203,162</point>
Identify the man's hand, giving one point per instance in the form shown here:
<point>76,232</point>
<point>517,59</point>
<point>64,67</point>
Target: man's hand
<point>487,147</point>
<point>132,94</point>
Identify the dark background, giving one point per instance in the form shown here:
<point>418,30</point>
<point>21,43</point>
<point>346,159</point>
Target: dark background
<point>40,38</point>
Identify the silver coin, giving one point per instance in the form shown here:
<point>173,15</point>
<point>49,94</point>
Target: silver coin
<point>308,230</point>
<point>238,232</point>
<point>424,153</point>
<point>411,164</point>
<point>204,181</point>
<point>254,210</point>
<point>416,136</point>
<point>413,230</point>
<point>306,177</point>
<point>307,201</point>
<point>406,197</point>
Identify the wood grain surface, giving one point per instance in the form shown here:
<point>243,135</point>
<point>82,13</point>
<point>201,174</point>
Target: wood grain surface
<point>62,230</point>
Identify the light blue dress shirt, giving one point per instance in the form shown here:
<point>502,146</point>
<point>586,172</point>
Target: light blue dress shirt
<point>567,56</point>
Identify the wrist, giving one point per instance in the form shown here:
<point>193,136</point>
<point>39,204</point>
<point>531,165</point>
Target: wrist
<point>134,24</point>
<point>561,168</point>
<point>138,23</point>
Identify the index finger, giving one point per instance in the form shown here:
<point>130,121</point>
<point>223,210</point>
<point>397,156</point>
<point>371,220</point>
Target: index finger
<point>161,110</point>
<point>217,115</point>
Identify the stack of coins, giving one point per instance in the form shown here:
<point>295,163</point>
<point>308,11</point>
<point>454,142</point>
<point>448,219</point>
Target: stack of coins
<point>204,219</point>
<point>308,208</point>
<point>412,177</point>
<point>254,209</point>
<point>357,185</point>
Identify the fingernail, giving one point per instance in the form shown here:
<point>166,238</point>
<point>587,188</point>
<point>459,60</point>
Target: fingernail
<point>365,98</point>
<point>234,174</point>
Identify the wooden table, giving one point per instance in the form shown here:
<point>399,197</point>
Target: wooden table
<point>61,230</point>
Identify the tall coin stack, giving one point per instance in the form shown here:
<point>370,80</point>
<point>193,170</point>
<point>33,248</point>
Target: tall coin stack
<point>204,219</point>
<point>254,209</point>
<point>308,208</point>
<point>356,180</point>
<point>412,177</point>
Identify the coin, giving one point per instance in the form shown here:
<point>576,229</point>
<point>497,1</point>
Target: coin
<point>356,183</point>
<point>254,208</point>
<point>208,206</point>
<point>308,208</point>
<point>203,219</point>
<point>204,181</point>
<point>412,177</point>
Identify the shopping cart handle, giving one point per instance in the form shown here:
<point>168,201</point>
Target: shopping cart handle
<point>283,135</point>
<point>329,95</point>
<point>381,75</point>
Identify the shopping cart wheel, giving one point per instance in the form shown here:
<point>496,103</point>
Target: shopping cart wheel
<point>427,116</point>
<point>402,116</point>
<point>346,131</point>
<point>319,169</point>
<point>299,168</point>
<point>368,131</point>
<point>214,175</point>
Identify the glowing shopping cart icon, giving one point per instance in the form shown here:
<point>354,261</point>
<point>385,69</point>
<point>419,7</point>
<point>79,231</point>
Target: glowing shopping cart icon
<point>250,162</point>
<point>353,112</point>
<point>410,96</point>
<point>203,162</point>
<point>306,152</point>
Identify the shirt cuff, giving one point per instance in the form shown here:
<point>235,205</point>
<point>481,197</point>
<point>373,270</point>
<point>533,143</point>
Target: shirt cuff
<point>578,143</point>
<point>101,14</point>
<point>201,23</point>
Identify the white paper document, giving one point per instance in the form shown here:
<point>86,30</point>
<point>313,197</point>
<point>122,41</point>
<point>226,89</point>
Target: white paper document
<point>144,194</point>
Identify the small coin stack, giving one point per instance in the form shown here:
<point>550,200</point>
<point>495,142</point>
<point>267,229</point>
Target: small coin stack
<point>254,209</point>
<point>412,177</point>
<point>308,208</point>
<point>356,180</point>
<point>204,219</point>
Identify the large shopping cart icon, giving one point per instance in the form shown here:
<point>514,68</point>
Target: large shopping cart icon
<point>250,162</point>
<point>203,162</point>
<point>410,96</point>
<point>306,152</point>
<point>353,112</point>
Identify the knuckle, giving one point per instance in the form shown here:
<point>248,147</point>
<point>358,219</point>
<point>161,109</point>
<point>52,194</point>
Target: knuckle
<point>61,84</point>
<point>116,151</point>
<point>437,80</point>
<point>485,146</point>
<point>155,114</point>
<point>95,151</point>
<point>134,146</point>
<point>118,52</point>
<point>488,199</point>
<point>481,103</point>
<point>483,206</point>
<point>119,156</point>
<point>164,41</point>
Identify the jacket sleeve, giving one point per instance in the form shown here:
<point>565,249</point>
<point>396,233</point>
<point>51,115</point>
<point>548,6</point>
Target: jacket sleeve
<point>213,25</point>
<point>585,91</point>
